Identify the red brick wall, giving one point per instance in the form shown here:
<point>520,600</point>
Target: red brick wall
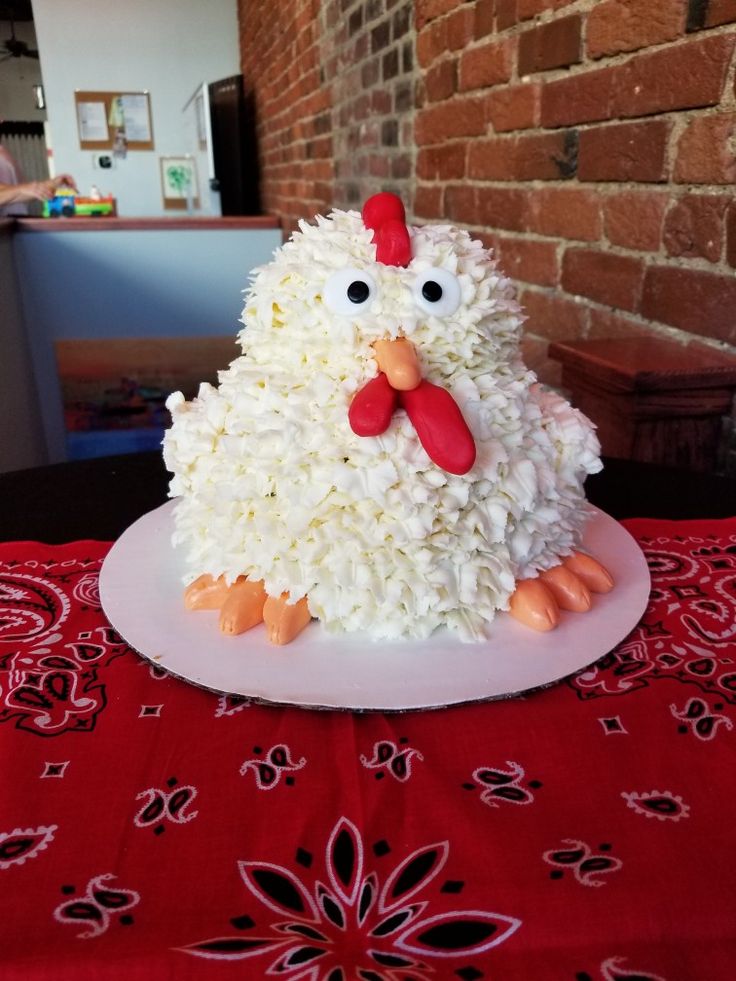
<point>281,60</point>
<point>334,93</point>
<point>591,142</point>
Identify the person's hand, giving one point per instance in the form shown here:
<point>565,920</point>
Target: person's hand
<point>45,190</point>
<point>66,180</point>
<point>38,190</point>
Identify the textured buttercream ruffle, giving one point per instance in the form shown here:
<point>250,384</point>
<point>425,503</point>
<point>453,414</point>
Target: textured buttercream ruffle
<point>273,484</point>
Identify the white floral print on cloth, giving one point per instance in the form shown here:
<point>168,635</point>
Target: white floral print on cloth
<point>355,925</point>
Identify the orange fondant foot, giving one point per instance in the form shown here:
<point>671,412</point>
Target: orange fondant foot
<point>205,593</point>
<point>533,604</point>
<point>243,606</point>
<point>569,591</point>
<point>590,572</point>
<point>537,602</point>
<point>285,621</point>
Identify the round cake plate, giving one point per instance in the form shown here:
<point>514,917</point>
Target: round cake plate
<point>141,591</point>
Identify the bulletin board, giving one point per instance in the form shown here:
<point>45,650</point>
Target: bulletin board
<point>103,116</point>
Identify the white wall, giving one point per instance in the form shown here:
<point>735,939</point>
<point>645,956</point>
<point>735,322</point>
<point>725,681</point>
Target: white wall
<point>167,47</point>
<point>18,76</point>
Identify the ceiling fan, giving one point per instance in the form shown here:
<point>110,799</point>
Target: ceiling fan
<point>15,48</point>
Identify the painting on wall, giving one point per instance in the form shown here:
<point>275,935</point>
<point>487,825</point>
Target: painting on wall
<point>179,184</point>
<point>114,390</point>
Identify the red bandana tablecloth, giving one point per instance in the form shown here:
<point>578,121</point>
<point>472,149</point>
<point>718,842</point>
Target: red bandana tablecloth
<point>149,829</point>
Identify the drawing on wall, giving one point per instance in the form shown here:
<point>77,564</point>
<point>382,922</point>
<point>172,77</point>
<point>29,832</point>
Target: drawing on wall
<point>179,182</point>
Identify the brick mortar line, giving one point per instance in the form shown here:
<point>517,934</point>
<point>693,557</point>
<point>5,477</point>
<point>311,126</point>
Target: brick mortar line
<point>648,258</point>
<point>589,305</point>
<point>605,246</point>
<point>586,64</point>
<point>711,110</point>
<point>594,245</point>
<point>584,14</point>
<point>680,119</point>
<point>304,141</point>
<point>680,123</point>
<point>543,17</point>
<point>623,57</point>
<point>728,100</point>
<point>601,188</point>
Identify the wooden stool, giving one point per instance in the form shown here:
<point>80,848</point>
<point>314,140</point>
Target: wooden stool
<point>651,399</point>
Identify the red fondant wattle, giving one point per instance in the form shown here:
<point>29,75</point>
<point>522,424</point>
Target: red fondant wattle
<point>384,214</point>
<point>440,426</point>
<point>372,407</point>
<point>438,422</point>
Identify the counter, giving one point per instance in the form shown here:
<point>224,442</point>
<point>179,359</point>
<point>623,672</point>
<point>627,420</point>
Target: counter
<point>155,280</point>
<point>118,224</point>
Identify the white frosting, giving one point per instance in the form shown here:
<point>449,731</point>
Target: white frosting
<point>273,484</point>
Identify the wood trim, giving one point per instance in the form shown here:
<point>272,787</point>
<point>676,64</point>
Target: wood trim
<point>230,223</point>
<point>644,364</point>
<point>653,404</point>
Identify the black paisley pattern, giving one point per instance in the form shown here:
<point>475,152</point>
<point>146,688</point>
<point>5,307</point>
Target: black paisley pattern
<point>50,680</point>
<point>191,833</point>
<point>686,634</point>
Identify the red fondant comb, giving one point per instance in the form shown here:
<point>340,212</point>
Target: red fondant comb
<point>384,214</point>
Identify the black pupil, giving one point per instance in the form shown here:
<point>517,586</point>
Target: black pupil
<point>432,291</point>
<point>358,291</point>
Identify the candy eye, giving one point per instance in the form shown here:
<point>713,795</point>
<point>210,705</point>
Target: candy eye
<point>437,292</point>
<point>349,291</point>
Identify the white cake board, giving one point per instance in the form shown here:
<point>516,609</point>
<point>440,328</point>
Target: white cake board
<point>141,591</point>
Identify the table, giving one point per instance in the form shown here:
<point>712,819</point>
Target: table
<point>150,829</point>
<point>652,399</point>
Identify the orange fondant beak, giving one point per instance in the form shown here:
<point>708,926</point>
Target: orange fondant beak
<point>399,362</point>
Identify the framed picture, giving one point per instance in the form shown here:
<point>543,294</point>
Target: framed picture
<point>179,185</point>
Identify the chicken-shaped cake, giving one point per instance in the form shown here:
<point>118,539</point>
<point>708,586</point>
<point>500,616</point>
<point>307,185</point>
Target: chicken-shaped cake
<point>379,457</point>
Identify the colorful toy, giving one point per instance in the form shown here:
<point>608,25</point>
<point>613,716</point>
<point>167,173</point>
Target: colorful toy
<point>67,204</point>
